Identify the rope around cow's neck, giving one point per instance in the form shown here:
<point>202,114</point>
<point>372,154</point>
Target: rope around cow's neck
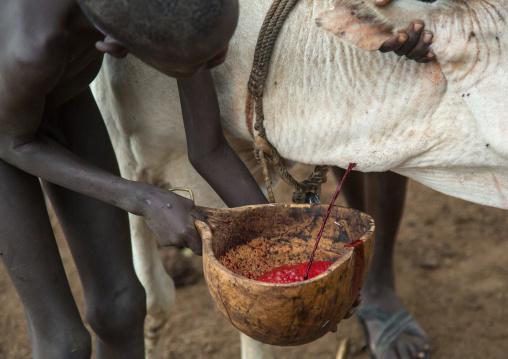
<point>265,152</point>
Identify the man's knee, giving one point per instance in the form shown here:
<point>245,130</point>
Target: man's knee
<point>73,344</point>
<point>117,314</point>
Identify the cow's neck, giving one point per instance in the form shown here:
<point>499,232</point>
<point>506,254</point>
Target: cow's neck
<point>473,52</point>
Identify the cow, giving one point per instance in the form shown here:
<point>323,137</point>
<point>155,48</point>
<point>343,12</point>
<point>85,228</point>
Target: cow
<point>328,101</point>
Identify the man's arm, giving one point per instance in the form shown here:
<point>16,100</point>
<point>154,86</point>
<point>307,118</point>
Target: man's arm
<point>209,151</point>
<point>22,101</point>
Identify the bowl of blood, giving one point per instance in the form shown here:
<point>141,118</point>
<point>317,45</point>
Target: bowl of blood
<point>256,264</point>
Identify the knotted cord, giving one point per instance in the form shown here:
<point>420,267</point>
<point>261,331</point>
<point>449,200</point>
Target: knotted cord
<point>265,152</point>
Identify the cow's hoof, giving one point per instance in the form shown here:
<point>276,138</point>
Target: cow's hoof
<point>184,269</point>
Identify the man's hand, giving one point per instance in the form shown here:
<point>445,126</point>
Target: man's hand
<point>171,217</point>
<point>413,42</point>
<point>382,3</point>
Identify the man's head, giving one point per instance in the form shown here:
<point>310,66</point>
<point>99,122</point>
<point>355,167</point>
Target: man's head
<point>177,37</point>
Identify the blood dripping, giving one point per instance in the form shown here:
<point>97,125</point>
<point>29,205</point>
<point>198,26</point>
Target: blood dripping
<point>295,273</point>
<point>311,269</point>
<point>351,166</point>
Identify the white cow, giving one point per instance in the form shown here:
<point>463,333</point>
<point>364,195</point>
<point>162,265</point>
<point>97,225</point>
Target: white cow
<point>329,102</point>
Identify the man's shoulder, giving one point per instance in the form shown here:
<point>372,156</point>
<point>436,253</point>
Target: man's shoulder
<point>35,47</point>
<point>37,62</point>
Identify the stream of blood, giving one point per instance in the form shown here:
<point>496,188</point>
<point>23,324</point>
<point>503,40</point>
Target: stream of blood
<point>290,274</point>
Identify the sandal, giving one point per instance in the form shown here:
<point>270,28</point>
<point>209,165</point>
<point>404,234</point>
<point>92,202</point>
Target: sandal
<point>392,326</point>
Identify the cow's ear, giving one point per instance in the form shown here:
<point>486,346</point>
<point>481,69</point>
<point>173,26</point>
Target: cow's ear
<point>362,28</point>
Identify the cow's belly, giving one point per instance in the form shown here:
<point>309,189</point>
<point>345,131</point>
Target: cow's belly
<point>442,147</point>
<point>380,136</point>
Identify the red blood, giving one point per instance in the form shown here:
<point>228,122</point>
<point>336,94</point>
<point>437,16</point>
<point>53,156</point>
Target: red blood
<point>353,244</point>
<point>295,273</point>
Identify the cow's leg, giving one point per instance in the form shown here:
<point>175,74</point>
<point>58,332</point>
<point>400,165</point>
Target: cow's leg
<point>382,196</point>
<point>252,349</point>
<point>159,287</point>
<point>135,162</point>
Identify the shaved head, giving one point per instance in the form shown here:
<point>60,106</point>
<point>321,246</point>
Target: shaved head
<point>182,25</point>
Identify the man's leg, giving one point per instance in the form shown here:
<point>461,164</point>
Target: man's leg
<point>99,238</point>
<point>30,255</point>
<point>382,196</point>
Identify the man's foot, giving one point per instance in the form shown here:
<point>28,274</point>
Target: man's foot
<point>391,332</point>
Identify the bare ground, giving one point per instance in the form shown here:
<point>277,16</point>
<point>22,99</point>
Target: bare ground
<point>450,273</point>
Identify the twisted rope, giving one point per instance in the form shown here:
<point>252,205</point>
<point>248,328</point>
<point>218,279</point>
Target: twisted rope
<point>265,152</point>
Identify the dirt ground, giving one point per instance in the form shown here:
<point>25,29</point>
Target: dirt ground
<point>450,273</point>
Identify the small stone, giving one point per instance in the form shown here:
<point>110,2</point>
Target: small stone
<point>209,349</point>
<point>431,262</point>
<point>411,223</point>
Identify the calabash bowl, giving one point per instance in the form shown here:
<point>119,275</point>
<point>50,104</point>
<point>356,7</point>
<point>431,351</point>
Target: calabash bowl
<point>246,242</point>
